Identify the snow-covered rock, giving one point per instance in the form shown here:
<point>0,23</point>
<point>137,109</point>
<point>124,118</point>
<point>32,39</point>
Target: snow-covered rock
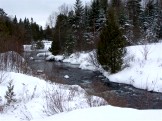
<point>66,77</point>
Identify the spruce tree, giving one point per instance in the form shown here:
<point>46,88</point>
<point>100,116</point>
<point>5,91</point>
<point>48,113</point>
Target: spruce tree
<point>134,9</point>
<point>111,45</point>
<point>55,48</point>
<point>94,14</point>
<point>78,26</point>
<point>10,95</point>
<point>151,22</point>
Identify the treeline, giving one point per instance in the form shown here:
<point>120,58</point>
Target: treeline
<point>14,33</point>
<point>78,29</point>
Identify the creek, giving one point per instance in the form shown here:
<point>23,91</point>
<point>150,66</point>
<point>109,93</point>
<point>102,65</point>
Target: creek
<point>94,83</point>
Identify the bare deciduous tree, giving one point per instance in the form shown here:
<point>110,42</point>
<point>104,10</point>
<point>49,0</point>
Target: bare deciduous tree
<point>64,9</point>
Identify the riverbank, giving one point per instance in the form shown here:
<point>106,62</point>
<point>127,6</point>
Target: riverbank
<point>95,83</point>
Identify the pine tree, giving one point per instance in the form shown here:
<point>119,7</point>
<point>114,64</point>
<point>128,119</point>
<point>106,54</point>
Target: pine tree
<point>10,95</point>
<point>94,14</point>
<point>79,11</point>
<point>48,33</point>
<point>55,48</point>
<point>69,44</point>
<point>59,34</point>
<point>111,45</point>
<point>15,20</point>
<point>78,26</point>
<point>2,13</point>
<point>104,5</point>
<point>86,18</point>
<point>151,20</point>
<point>134,9</point>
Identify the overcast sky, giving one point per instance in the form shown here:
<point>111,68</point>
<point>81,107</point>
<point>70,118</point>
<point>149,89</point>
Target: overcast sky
<point>39,10</point>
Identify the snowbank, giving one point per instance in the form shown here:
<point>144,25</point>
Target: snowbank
<point>55,58</point>
<point>44,54</point>
<point>31,103</point>
<point>143,66</point>
<point>34,98</point>
<point>107,113</point>
<point>84,60</point>
<point>47,45</point>
<point>27,47</point>
<point>12,61</point>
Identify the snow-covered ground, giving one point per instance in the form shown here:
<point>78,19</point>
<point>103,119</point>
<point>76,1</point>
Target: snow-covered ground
<point>142,66</point>
<point>47,45</point>
<point>107,113</point>
<point>34,103</point>
<point>37,99</point>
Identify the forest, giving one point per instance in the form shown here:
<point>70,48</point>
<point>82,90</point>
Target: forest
<point>105,25</point>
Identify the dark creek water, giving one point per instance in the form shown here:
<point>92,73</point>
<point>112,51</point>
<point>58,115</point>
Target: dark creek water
<point>94,83</point>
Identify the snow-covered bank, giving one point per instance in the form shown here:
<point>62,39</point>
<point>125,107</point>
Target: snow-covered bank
<point>32,93</point>
<point>83,59</point>
<point>47,45</point>
<point>142,66</point>
<point>12,61</point>
<point>37,98</point>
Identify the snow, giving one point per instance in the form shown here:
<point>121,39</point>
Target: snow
<point>82,59</point>
<point>66,77</point>
<point>29,107</point>
<point>44,54</point>
<point>55,58</point>
<point>32,93</point>
<point>107,113</point>
<point>143,68</point>
<point>47,45</point>
<point>27,47</point>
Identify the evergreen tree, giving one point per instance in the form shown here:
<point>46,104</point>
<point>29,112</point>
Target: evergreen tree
<point>39,45</point>
<point>55,48</point>
<point>59,34</point>
<point>10,95</point>
<point>15,20</point>
<point>69,44</point>
<point>48,33</point>
<point>78,26</point>
<point>28,33</point>
<point>94,14</point>
<point>2,13</point>
<point>151,22</point>
<point>79,11</point>
<point>134,10</point>
<point>104,5</point>
<point>86,18</point>
<point>110,50</point>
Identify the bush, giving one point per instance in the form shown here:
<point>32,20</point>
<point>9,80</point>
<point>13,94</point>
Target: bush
<point>39,45</point>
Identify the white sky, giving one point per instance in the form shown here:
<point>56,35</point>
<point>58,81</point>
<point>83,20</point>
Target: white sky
<point>39,10</point>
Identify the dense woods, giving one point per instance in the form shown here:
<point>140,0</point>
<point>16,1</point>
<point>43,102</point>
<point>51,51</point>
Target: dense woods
<point>14,33</point>
<point>105,25</point>
<point>90,26</point>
